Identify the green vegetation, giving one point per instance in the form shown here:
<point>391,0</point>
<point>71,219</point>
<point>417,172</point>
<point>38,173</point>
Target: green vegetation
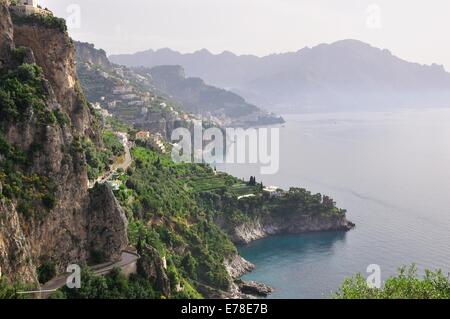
<point>9,291</point>
<point>112,143</point>
<point>46,271</point>
<point>23,97</point>
<point>112,286</point>
<point>22,90</point>
<point>99,159</point>
<point>406,285</point>
<point>163,213</point>
<point>27,190</point>
<point>173,207</point>
<point>117,125</point>
<point>47,21</point>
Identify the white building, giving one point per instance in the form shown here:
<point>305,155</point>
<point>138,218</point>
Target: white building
<point>128,96</point>
<point>273,191</point>
<point>115,185</point>
<point>33,3</point>
<point>136,103</point>
<point>122,89</point>
<point>112,104</point>
<point>28,7</point>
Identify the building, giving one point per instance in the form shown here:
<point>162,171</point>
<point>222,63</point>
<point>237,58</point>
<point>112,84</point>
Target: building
<point>273,191</point>
<point>115,185</point>
<point>128,96</point>
<point>123,137</point>
<point>28,7</point>
<point>112,104</point>
<point>119,72</point>
<point>122,89</point>
<point>32,3</point>
<point>157,143</point>
<point>246,196</point>
<point>143,135</point>
<point>136,103</point>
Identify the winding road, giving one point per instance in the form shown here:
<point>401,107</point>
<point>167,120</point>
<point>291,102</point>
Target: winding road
<point>128,258</point>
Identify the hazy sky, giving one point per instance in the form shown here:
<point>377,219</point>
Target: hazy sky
<point>415,30</point>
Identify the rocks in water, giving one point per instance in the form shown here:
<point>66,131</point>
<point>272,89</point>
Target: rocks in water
<point>254,288</point>
<point>262,227</point>
<point>237,266</point>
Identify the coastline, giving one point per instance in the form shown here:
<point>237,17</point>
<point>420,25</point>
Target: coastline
<point>261,228</point>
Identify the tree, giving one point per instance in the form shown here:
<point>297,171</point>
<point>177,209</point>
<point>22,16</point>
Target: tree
<point>405,285</point>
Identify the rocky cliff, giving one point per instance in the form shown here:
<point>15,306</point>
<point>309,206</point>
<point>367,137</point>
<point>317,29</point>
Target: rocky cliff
<point>261,227</point>
<point>46,209</point>
<point>88,53</point>
<point>195,96</point>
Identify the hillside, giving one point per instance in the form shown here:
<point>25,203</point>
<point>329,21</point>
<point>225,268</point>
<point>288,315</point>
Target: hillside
<point>48,216</point>
<point>162,98</point>
<point>119,91</point>
<point>222,106</point>
<point>345,75</point>
<point>181,221</point>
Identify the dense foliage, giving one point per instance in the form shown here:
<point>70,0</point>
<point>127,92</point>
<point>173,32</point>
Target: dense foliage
<point>114,285</point>
<point>100,159</point>
<point>406,285</point>
<point>25,189</point>
<point>45,20</point>
<point>22,90</point>
<point>11,291</point>
<point>163,213</point>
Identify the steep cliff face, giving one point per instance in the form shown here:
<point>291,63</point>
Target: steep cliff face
<point>265,226</point>
<point>87,52</point>
<point>6,35</point>
<point>53,216</point>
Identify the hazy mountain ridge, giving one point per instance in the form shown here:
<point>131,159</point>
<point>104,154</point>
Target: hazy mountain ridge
<point>347,74</point>
<point>197,97</point>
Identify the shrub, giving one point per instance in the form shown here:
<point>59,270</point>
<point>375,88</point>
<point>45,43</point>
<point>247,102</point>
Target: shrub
<point>46,271</point>
<point>405,285</point>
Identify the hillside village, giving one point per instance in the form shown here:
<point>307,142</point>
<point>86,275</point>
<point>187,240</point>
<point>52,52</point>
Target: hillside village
<point>117,90</point>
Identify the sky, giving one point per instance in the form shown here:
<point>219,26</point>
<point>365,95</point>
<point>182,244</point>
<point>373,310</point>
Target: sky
<point>414,30</point>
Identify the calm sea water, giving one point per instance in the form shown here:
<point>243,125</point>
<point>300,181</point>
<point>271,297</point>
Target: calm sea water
<point>390,170</point>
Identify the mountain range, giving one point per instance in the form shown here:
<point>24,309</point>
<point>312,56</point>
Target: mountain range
<point>345,75</point>
<point>197,97</point>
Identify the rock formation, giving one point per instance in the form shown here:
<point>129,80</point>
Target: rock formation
<point>67,223</point>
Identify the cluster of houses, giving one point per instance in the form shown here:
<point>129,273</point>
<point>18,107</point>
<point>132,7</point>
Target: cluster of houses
<point>126,95</point>
<point>155,140</point>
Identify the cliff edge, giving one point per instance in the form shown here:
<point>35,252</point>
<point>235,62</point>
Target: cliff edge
<point>47,213</point>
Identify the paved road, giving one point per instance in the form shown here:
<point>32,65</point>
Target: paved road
<point>127,258</point>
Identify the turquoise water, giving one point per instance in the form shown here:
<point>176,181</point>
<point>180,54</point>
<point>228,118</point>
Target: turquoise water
<point>390,170</point>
